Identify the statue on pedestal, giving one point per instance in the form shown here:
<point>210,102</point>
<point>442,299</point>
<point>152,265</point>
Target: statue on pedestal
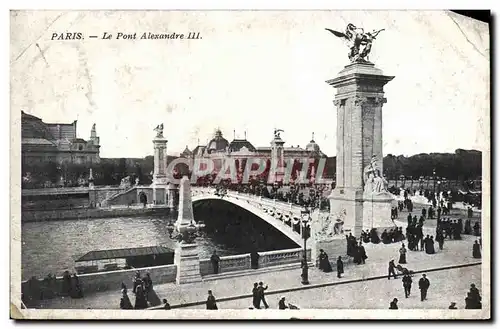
<point>277,133</point>
<point>374,182</point>
<point>359,42</point>
<point>159,131</point>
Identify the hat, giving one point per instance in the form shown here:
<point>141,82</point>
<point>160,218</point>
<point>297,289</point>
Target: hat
<point>282,297</point>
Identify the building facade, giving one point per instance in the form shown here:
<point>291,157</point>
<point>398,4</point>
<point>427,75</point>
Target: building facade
<point>220,150</point>
<point>56,142</point>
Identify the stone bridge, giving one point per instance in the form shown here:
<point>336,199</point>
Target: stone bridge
<point>279,214</point>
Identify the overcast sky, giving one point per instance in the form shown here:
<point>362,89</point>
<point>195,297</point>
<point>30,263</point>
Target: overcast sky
<point>252,71</point>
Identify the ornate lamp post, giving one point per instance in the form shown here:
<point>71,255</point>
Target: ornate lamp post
<point>305,222</point>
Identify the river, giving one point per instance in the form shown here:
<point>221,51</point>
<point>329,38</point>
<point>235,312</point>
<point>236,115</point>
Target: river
<point>51,247</point>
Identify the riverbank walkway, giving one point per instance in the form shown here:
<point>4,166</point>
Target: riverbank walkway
<point>236,292</point>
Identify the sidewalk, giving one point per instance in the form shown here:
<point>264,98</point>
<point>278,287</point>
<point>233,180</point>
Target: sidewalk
<point>454,253</point>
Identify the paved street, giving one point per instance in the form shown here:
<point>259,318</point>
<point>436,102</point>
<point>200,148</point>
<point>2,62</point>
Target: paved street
<point>455,252</point>
<point>446,286</point>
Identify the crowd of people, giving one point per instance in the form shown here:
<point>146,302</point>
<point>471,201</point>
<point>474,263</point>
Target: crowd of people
<point>142,288</point>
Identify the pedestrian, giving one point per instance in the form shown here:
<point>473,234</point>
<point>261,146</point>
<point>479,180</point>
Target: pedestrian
<point>215,259</point>
<point>423,285</point>
<point>137,281</point>
<point>140,298</point>
<point>452,306</point>
<point>256,296</point>
<point>281,304</point>
<point>76,288</point>
<point>362,253</point>
<point>407,281</point>
<point>402,254</point>
<point>262,294</point>
<point>394,304</point>
<point>211,302</point>
<point>340,267</point>
<point>392,270</point>
<point>324,262</point>
<point>476,250</point>
<point>125,303</point>
<point>166,305</point>
<point>254,259</point>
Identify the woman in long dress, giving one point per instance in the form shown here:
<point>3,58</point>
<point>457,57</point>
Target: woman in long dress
<point>324,262</point>
<point>402,254</point>
<point>340,267</point>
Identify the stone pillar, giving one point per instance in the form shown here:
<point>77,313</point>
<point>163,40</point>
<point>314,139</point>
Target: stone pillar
<point>186,255</point>
<point>359,101</point>
<point>171,189</point>
<point>160,180</point>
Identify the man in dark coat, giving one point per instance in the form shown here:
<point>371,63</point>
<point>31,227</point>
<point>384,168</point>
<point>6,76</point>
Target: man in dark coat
<point>256,296</point>
<point>409,219</point>
<point>211,302</point>
<point>281,304</point>
<point>254,259</point>
<point>407,281</point>
<point>215,259</point>
<point>340,267</point>
<point>394,304</point>
<point>476,250</point>
<point>423,285</point>
<point>261,292</point>
<point>392,270</point>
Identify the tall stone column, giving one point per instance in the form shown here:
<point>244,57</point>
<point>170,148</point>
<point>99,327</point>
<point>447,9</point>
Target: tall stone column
<point>359,101</point>
<point>186,255</point>
<point>160,180</point>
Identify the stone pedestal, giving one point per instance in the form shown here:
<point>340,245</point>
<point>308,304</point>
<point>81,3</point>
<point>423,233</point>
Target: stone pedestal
<point>188,263</point>
<point>334,247</point>
<point>359,100</point>
<point>377,212</point>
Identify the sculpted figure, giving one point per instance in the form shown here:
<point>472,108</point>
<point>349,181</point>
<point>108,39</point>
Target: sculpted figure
<point>359,42</point>
<point>159,130</point>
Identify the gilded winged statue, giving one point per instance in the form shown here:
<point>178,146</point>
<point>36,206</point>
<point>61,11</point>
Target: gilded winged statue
<point>359,42</point>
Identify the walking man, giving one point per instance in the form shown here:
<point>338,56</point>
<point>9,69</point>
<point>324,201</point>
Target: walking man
<point>262,294</point>
<point>256,296</point>
<point>423,285</point>
<point>392,270</point>
<point>407,284</point>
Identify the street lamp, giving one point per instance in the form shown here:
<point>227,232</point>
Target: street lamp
<point>305,216</point>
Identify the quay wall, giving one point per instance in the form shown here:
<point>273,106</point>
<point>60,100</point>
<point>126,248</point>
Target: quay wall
<point>38,289</point>
<point>89,213</point>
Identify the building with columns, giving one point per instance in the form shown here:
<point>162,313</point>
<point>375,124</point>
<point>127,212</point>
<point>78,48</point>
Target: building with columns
<point>56,142</point>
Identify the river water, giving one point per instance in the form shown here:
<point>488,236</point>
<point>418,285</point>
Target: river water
<point>51,247</point>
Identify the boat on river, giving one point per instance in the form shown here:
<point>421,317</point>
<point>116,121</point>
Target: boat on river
<point>123,259</point>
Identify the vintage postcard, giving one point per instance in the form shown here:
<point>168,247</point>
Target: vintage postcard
<point>250,165</point>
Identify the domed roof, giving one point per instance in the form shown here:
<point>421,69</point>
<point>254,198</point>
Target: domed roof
<point>218,143</point>
<point>312,146</point>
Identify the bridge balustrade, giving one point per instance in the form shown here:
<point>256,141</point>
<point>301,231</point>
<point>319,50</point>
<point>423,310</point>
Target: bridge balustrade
<point>243,262</point>
<point>226,264</point>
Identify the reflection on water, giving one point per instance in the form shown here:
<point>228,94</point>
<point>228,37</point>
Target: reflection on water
<point>51,247</point>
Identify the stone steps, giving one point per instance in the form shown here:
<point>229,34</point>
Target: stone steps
<point>233,274</point>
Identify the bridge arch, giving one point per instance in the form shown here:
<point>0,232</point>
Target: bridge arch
<point>259,212</point>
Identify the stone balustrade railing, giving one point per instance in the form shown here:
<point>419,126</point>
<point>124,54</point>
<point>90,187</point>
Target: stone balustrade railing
<point>226,264</point>
<point>243,262</point>
<point>280,257</point>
